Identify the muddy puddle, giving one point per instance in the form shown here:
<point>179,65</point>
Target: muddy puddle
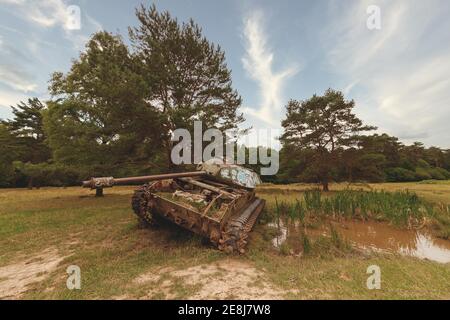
<point>373,236</point>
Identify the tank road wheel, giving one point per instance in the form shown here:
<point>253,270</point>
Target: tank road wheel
<point>141,203</point>
<point>233,240</point>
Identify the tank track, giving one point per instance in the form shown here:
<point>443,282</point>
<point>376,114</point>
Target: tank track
<point>141,204</point>
<point>234,237</point>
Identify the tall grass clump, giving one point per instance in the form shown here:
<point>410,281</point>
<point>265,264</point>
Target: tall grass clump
<point>442,221</point>
<point>313,200</point>
<point>402,208</point>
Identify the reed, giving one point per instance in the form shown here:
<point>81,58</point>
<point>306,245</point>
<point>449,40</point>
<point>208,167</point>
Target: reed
<point>402,208</point>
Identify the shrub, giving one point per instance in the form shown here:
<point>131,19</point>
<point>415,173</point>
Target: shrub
<point>47,174</point>
<point>400,175</point>
<point>422,163</point>
<point>438,174</point>
<point>422,174</point>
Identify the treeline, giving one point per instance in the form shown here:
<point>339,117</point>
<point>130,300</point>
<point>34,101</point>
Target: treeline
<point>378,158</point>
<point>324,141</point>
<point>113,113</point>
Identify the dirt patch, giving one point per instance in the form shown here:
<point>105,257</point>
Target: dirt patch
<point>226,279</point>
<point>15,278</point>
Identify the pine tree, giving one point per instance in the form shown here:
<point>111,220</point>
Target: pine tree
<point>27,128</point>
<point>187,76</point>
<point>323,126</point>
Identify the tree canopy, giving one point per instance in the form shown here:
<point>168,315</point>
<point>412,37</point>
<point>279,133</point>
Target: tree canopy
<point>27,130</point>
<point>325,125</point>
<point>100,115</point>
<point>186,75</point>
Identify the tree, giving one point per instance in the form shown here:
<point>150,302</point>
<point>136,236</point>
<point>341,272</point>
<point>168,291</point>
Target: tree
<point>293,165</point>
<point>362,165</point>
<point>48,174</point>
<point>374,153</point>
<point>435,156</point>
<point>26,136</point>
<point>414,152</point>
<point>324,125</point>
<point>383,144</point>
<point>27,128</point>
<point>447,159</point>
<point>8,152</point>
<point>187,76</point>
<point>99,116</point>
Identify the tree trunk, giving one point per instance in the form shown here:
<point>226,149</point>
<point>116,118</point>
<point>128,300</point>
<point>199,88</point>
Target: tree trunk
<point>168,144</point>
<point>325,186</point>
<point>30,183</point>
<point>169,158</point>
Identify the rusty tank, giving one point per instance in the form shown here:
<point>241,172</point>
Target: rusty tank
<point>217,201</point>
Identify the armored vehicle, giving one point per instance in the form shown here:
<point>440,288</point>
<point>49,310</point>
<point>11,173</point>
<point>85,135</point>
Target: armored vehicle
<point>217,202</point>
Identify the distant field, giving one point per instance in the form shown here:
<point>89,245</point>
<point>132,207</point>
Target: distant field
<point>44,231</point>
<point>432,190</point>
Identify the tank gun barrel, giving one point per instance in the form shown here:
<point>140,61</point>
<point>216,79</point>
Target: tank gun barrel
<point>105,182</point>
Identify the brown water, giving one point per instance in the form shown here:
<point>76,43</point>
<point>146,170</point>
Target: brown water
<point>373,236</point>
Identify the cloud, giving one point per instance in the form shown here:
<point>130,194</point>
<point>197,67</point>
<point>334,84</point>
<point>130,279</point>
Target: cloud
<point>31,39</point>
<point>9,98</point>
<point>45,13</point>
<point>413,136</point>
<point>258,63</point>
<point>55,13</point>
<point>16,79</point>
<point>25,51</point>
<point>403,69</point>
<point>12,74</point>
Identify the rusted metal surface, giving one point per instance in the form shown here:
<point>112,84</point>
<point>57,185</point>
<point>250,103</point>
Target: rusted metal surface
<point>107,182</point>
<point>222,208</point>
<point>209,187</point>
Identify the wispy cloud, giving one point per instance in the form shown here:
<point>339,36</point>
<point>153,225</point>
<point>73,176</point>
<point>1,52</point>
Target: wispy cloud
<point>9,98</point>
<point>12,75</point>
<point>45,13</point>
<point>52,14</point>
<point>403,70</point>
<point>16,79</point>
<point>258,63</point>
<point>25,50</point>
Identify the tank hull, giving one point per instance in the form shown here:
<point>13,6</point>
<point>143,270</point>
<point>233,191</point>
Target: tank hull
<point>221,213</point>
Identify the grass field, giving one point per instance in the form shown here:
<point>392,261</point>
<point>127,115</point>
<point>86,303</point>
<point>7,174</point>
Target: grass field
<point>42,232</point>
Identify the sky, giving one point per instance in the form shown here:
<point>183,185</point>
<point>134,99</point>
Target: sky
<point>398,74</point>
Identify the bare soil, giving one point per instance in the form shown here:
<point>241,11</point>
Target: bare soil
<point>15,278</point>
<point>226,279</point>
